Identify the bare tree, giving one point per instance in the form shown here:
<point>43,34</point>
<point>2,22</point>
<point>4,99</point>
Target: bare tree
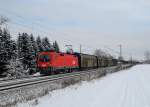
<point>147,56</point>
<point>3,20</point>
<point>99,52</point>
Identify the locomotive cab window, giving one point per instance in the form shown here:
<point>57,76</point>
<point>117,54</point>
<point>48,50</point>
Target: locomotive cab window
<point>44,58</point>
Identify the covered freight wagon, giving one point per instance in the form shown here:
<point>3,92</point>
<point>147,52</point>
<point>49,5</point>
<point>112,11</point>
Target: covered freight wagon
<point>87,61</point>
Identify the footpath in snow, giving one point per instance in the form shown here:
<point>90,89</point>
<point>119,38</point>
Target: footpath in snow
<point>129,88</point>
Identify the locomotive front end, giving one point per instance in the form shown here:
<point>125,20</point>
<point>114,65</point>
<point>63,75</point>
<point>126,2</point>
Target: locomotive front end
<point>44,63</point>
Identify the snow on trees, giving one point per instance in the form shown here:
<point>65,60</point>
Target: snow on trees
<point>7,51</point>
<point>39,44</point>
<point>18,58</point>
<point>26,50</point>
<point>33,54</point>
<point>46,44</point>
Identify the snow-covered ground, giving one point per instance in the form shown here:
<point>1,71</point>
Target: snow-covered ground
<point>129,88</point>
<point>36,74</point>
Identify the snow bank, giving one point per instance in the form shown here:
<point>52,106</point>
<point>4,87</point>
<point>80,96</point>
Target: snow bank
<point>36,74</point>
<point>122,89</point>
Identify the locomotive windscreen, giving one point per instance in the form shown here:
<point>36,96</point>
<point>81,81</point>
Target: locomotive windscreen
<point>44,58</point>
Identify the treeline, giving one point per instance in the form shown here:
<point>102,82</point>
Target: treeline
<point>19,56</point>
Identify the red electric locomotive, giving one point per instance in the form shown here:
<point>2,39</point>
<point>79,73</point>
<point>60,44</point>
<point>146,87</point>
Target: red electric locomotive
<point>52,62</point>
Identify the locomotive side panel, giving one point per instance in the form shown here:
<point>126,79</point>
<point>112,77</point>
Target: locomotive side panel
<point>57,61</point>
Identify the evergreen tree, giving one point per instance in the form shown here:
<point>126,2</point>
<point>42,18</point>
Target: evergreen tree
<point>24,49</point>
<point>3,62</point>
<point>33,45</point>
<point>39,44</point>
<point>19,45</point>
<point>7,50</point>
<point>33,54</point>
<point>27,50</point>
<point>6,40</point>
<point>13,49</point>
<point>46,44</point>
<point>56,46</point>
<point>1,44</point>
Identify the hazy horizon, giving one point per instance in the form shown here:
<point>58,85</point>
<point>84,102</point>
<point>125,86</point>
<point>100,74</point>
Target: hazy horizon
<point>94,24</point>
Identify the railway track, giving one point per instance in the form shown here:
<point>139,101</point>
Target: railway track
<point>28,81</point>
<point>11,79</point>
<point>12,84</point>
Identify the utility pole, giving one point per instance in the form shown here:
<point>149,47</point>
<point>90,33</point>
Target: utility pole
<point>120,51</point>
<point>80,48</point>
<point>120,55</point>
<point>131,59</point>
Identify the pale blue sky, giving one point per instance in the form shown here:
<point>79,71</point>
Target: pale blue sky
<point>92,23</point>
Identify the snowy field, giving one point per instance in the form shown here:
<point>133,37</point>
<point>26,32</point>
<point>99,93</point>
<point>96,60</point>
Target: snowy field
<point>129,88</point>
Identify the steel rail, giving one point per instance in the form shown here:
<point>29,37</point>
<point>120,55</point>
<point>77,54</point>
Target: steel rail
<point>26,82</point>
<point>5,79</point>
<point>6,85</point>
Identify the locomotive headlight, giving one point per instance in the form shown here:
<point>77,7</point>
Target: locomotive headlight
<point>73,62</point>
<point>43,65</point>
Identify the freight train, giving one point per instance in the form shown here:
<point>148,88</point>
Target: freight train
<point>52,62</point>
